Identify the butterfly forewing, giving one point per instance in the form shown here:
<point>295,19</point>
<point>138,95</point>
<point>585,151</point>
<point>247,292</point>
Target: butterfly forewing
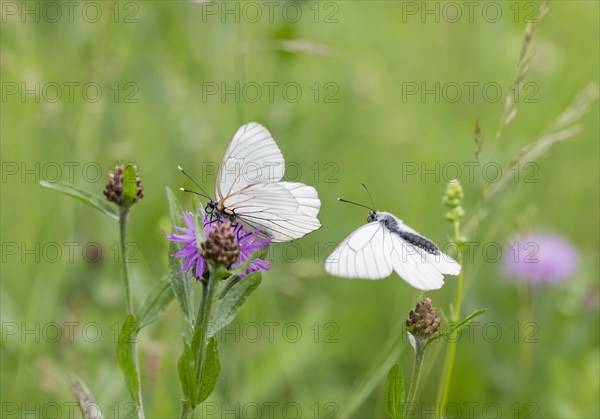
<point>251,157</point>
<point>363,254</point>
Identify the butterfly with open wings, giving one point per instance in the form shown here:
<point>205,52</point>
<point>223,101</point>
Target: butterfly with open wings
<point>386,244</point>
<point>249,189</point>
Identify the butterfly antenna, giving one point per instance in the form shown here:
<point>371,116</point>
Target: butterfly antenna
<point>204,194</point>
<point>370,197</point>
<point>194,192</point>
<point>353,203</point>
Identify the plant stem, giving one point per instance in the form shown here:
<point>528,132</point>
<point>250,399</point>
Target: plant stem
<point>123,217</point>
<point>449,364</point>
<point>447,376</point>
<point>525,315</point>
<point>416,375</point>
<point>459,287</point>
<point>201,326</point>
<point>186,412</point>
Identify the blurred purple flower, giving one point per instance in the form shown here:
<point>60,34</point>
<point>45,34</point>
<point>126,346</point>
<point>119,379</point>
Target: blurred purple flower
<point>249,242</point>
<point>541,258</point>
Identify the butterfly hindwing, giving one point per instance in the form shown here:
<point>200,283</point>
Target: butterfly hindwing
<point>275,210</point>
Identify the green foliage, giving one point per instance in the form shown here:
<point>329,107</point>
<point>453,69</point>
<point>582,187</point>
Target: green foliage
<point>187,371</point>
<point>394,392</point>
<point>211,371</point>
<point>457,327</point>
<point>230,304</point>
<point>156,302</point>
<point>182,286</point>
<point>98,202</point>
<point>187,365</point>
<point>198,222</point>
<point>127,357</point>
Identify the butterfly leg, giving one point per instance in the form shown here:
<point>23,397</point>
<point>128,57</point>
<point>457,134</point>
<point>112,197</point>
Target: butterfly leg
<point>213,219</point>
<point>232,218</point>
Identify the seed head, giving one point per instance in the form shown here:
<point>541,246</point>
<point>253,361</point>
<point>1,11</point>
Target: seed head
<point>423,322</point>
<point>221,246</point>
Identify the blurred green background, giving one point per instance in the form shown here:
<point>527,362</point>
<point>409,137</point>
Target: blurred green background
<point>330,81</point>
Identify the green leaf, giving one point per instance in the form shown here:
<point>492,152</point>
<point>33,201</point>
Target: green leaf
<point>187,374</point>
<point>234,274</point>
<point>198,221</point>
<point>184,293</point>
<point>156,302</point>
<point>231,281</point>
<point>182,286</point>
<point>221,273</point>
<point>175,208</point>
<point>87,404</point>
<point>127,356</point>
<point>458,326</point>
<point>238,270</point>
<point>98,202</point>
<point>394,392</point>
<point>129,184</point>
<point>231,303</point>
<point>212,369</point>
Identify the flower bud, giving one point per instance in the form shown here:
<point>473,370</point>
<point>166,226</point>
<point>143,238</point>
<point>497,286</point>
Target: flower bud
<point>454,194</point>
<point>453,199</point>
<point>423,322</point>
<point>455,214</point>
<point>221,246</point>
<point>114,188</point>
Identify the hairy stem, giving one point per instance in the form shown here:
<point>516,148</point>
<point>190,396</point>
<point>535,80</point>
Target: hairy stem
<point>186,411</point>
<point>201,326</point>
<point>416,375</point>
<point>123,217</point>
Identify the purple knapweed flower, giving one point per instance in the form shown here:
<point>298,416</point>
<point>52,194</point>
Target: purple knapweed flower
<point>248,242</point>
<point>541,258</point>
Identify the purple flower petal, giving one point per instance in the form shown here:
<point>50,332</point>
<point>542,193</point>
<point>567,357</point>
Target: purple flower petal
<point>541,258</point>
<point>249,242</point>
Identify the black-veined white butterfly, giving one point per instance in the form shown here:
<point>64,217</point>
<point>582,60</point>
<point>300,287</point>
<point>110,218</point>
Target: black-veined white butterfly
<point>386,244</point>
<point>249,189</point>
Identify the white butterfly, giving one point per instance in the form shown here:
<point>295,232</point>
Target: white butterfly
<point>384,244</point>
<point>249,190</point>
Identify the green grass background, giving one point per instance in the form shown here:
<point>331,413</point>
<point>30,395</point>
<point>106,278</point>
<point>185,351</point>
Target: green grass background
<point>369,135</point>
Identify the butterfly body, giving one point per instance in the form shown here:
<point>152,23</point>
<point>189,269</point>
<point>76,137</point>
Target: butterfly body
<point>385,244</point>
<point>393,224</point>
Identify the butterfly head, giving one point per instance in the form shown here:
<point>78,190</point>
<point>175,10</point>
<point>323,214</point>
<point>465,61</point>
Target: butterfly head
<point>372,211</point>
<point>372,216</point>
<point>211,206</point>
